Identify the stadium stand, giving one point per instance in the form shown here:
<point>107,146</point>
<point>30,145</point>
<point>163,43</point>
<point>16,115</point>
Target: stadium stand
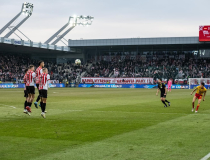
<point>158,68</point>
<point>12,68</point>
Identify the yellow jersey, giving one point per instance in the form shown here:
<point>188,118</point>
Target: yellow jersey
<point>200,90</point>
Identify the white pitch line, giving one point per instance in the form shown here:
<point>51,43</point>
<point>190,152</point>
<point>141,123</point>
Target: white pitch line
<point>70,110</point>
<point>12,106</point>
<point>7,105</point>
<point>206,157</point>
<point>11,91</point>
<point>136,112</point>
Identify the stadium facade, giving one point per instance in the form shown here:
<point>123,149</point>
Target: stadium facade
<point>38,50</point>
<point>99,48</point>
<point>93,48</point>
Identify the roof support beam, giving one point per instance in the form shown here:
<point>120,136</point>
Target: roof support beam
<point>61,36</point>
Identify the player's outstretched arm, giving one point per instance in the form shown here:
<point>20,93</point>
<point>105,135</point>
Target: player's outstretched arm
<point>194,90</point>
<point>165,90</point>
<point>157,91</point>
<point>204,96</point>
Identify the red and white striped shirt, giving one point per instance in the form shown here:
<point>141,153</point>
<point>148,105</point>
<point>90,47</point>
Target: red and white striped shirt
<point>38,73</point>
<point>44,81</point>
<point>30,78</point>
<point>24,80</point>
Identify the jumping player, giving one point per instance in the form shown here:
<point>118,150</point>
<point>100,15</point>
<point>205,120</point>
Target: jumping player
<point>38,73</point>
<point>200,90</point>
<point>163,92</point>
<point>43,87</point>
<point>30,79</point>
<point>25,94</point>
<point>169,85</point>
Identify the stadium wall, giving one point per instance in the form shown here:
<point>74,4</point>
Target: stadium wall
<point>135,41</point>
<point>11,85</point>
<point>33,44</point>
<point>148,86</point>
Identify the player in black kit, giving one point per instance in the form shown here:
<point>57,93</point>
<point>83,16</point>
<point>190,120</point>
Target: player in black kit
<point>163,92</point>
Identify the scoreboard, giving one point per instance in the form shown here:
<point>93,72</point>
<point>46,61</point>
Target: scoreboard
<point>204,33</point>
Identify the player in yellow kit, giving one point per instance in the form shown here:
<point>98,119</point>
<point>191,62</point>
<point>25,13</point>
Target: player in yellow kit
<point>200,90</point>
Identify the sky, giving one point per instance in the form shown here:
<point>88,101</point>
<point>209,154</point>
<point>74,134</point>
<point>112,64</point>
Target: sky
<point>112,18</point>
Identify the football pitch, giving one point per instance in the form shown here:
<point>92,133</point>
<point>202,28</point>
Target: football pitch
<point>104,124</point>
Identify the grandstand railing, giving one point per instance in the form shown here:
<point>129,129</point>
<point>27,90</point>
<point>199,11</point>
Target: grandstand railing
<point>34,44</point>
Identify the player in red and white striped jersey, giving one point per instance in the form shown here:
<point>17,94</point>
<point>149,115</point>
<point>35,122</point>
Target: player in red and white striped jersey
<point>38,73</point>
<point>43,87</point>
<point>25,94</point>
<point>30,81</point>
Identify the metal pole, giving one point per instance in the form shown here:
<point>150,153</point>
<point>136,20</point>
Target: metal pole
<point>56,34</point>
<point>23,34</point>
<point>16,34</point>
<point>15,28</point>
<point>63,42</point>
<point>9,23</point>
<point>58,39</point>
<point>65,39</point>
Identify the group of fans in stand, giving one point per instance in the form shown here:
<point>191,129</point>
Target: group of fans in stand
<point>41,78</point>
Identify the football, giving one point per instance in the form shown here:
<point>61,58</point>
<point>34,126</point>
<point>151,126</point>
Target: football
<point>77,61</point>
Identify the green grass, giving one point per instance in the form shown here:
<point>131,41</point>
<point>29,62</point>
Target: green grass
<point>104,124</point>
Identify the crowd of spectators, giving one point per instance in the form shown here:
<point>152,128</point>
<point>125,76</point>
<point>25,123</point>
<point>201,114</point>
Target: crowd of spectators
<point>12,68</point>
<point>167,68</point>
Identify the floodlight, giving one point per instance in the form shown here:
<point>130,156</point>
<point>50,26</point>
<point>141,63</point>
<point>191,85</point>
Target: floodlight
<point>73,22</point>
<point>27,9</point>
<point>81,20</point>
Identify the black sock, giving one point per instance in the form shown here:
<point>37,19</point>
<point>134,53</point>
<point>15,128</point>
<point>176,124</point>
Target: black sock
<point>38,98</point>
<point>164,103</point>
<point>167,101</point>
<point>41,104</point>
<point>29,104</point>
<point>25,104</point>
<point>44,107</point>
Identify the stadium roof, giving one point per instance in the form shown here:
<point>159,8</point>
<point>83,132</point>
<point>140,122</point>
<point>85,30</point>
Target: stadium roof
<point>135,41</point>
<point>9,48</point>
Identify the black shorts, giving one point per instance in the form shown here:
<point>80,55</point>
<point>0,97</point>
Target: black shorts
<point>37,86</point>
<point>25,93</point>
<point>43,93</point>
<point>30,89</point>
<point>162,95</point>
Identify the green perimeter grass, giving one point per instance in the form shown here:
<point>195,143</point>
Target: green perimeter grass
<point>93,124</point>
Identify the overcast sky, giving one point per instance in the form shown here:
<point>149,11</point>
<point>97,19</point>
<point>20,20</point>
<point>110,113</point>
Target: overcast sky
<point>113,18</point>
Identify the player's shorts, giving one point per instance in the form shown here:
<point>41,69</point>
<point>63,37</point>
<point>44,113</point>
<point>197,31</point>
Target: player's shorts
<point>25,93</point>
<point>37,86</point>
<point>169,86</point>
<point>30,89</point>
<point>43,93</point>
<point>162,95</point>
<point>198,96</point>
